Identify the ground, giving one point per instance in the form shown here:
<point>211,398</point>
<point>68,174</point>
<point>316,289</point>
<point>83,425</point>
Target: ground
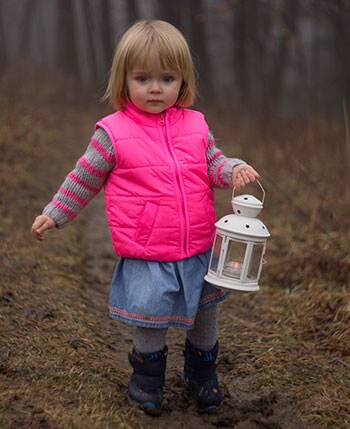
<point>284,351</point>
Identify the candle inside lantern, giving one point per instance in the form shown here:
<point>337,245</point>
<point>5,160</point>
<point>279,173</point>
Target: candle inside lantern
<point>233,268</point>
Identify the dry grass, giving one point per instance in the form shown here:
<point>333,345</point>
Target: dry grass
<point>298,334</point>
<point>56,366</point>
<point>297,342</point>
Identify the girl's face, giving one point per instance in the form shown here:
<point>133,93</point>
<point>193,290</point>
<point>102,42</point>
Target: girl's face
<point>153,91</point>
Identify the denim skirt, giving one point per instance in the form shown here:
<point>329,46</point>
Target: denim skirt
<point>161,294</point>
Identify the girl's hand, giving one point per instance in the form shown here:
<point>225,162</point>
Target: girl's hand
<point>40,225</point>
<point>242,175</point>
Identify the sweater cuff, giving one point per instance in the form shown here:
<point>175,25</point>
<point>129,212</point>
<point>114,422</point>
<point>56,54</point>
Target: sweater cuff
<point>57,215</point>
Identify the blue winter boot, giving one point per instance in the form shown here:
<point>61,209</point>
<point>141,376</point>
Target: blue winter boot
<point>145,387</point>
<point>200,376</point>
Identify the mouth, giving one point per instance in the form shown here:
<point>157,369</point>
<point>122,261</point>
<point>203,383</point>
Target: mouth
<point>155,101</point>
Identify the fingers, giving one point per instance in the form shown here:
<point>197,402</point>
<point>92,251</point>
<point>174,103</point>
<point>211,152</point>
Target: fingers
<point>243,175</point>
<point>40,225</point>
<point>39,237</point>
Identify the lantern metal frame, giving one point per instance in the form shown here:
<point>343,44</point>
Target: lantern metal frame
<point>236,228</point>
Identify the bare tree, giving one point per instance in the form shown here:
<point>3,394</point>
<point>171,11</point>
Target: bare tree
<point>132,11</point>
<point>338,14</point>
<point>67,56</point>
<point>261,34</point>
<point>27,11</point>
<point>170,11</point>
<point>240,57</point>
<point>199,45</point>
<point>289,15</point>
<point>90,37</point>
<point>314,81</point>
<point>106,33</point>
<point>2,42</point>
<point>260,59</point>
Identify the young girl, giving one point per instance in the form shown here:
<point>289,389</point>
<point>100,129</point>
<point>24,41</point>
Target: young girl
<point>158,163</point>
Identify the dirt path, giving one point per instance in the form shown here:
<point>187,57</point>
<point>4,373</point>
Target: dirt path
<point>242,408</point>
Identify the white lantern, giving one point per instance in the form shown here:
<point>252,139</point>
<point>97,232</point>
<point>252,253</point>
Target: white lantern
<point>239,247</point>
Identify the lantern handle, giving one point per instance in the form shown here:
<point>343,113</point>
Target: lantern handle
<point>262,189</point>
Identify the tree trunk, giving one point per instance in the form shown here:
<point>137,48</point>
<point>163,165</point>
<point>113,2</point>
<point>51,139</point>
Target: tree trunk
<point>240,66</point>
<point>89,26</point>
<point>106,32</point>
<point>287,31</point>
<point>198,43</point>
<point>132,11</point>
<point>3,53</point>
<point>170,11</point>
<point>27,13</point>
<point>338,14</point>
<point>67,56</point>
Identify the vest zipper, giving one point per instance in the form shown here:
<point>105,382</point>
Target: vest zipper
<point>181,193</point>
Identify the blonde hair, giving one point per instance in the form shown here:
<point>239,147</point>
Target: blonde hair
<point>151,43</point>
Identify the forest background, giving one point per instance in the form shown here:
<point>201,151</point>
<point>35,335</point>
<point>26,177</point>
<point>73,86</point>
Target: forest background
<point>274,83</point>
<point>280,56</point>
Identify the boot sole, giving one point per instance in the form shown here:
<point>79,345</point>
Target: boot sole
<point>209,410</point>
<point>147,407</point>
<point>191,398</point>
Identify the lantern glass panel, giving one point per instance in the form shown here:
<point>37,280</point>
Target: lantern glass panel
<point>234,259</point>
<point>255,261</point>
<point>216,253</point>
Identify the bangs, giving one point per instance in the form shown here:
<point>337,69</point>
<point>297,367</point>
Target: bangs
<point>152,53</point>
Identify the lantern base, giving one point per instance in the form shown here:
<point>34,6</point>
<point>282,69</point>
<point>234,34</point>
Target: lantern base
<point>231,284</point>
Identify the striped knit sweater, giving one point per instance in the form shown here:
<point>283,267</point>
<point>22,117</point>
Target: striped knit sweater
<point>92,169</point>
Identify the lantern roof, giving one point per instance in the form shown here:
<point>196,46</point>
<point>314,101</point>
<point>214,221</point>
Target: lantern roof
<point>246,205</point>
<point>242,225</point>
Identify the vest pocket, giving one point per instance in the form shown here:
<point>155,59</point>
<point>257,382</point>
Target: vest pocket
<point>146,223</point>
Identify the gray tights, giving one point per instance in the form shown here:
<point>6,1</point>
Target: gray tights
<point>203,335</point>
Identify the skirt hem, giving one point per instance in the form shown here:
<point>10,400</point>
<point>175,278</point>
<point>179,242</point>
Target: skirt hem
<point>139,320</point>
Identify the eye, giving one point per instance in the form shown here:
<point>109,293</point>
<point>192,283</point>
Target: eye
<point>168,79</point>
<point>141,79</point>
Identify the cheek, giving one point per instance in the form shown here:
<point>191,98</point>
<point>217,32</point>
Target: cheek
<point>132,91</point>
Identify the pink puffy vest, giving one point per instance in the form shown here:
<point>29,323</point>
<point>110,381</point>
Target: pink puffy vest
<point>158,197</point>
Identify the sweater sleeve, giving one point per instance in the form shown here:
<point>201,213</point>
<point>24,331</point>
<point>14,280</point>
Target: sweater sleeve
<point>219,166</point>
<point>84,181</point>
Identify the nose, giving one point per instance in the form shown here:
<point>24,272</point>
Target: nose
<point>155,87</point>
